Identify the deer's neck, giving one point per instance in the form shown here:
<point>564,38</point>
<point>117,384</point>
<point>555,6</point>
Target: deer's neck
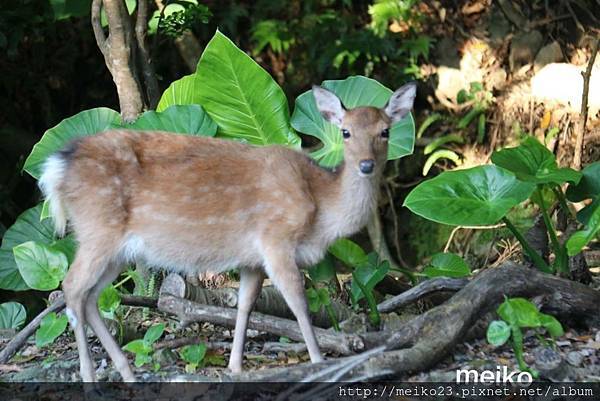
<point>346,204</point>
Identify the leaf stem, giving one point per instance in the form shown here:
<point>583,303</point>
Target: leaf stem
<point>373,312</point>
<point>533,255</point>
<point>559,251</point>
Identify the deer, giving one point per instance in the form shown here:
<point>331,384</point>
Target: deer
<point>192,204</point>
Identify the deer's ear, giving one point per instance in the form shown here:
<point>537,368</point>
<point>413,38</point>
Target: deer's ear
<point>329,105</point>
<point>401,102</point>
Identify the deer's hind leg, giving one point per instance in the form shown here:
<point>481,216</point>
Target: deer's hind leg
<point>81,278</point>
<point>95,320</point>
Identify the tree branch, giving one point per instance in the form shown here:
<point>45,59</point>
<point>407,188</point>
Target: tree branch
<point>580,129</point>
<point>97,26</point>
<point>144,58</point>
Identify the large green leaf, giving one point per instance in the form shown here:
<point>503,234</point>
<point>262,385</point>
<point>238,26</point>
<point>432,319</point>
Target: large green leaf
<point>477,196</point>
<point>446,264</point>
<point>581,238</point>
<point>50,328</point>
<point>369,275</point>
<point>238,94</point>
<point>182,119</point>
<point>533,162</point>
<point>41,266</point>
<point>498,333</point>
<point>353,92</point>
<point>587,188</point>
<point>85,123</point>
<point>348,252</point>
<point>12,315</point>
<point>519,312</point>
<point>28,227</point>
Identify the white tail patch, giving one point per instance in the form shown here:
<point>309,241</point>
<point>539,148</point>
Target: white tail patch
<point>52,175</point>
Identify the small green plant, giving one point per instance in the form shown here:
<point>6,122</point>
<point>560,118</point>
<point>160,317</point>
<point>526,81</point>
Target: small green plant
<point>480,100</point>
<point>484,195</point>
<point>446,264</point>
<point>368,271</point>
<point>12,315</point>
<point>518,314</point>
<point>142,348</point>
<point>51,327</point>
<point>193,355</point>
<point>319,295</point>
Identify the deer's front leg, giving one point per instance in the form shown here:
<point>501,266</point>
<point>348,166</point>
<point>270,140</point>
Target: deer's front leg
<point>281,268</point>
<point>251,281</point>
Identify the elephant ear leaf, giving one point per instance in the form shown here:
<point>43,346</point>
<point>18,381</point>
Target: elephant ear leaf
<point>533,162</point>
<point>475,197</point>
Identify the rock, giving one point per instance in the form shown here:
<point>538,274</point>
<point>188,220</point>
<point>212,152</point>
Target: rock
<point>575,358</point>
<point>523,49</point>
<point>165,357</point>
<point>548,54</point>
<point>549,363</point>
<point>563,83</point>
<point>450,81</point>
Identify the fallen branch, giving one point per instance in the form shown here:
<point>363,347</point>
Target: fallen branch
<point>419,291</point>
<point>17,341</point>
<point>188,311</point>
<point>421,339</point>
<point>270,300</point>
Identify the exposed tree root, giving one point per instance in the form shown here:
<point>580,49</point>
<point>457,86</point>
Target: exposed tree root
<point>420,344</point>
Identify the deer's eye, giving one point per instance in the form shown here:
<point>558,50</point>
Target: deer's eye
<point>385,133</point>
<point>345,133</point>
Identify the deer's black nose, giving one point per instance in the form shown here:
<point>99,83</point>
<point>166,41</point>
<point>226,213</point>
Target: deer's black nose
<point>366,166</point>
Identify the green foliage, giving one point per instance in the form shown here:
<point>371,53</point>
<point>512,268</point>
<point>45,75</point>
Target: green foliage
<point>476,197</point>
<point>348,252</point>
<point>533,162</point>
<point>271,33</point>
<point>384,11</point>
<point>587,188</point>
<point>188,119</point>
<point>440,154</point>
<point>109,300</point>
<point>193,355</point>
<point>581,238</point>
<point>50,328</point>
<point>12,315</point>
<point>88,122</point>
<point>41,266</point>
<point>518,314</point>
<point>142,348</point>
<point>64,9</point>
<point>353,92</point>
<point>27,228</point>
<point>178,17</point>
<point>447,265</point>
<point>240,96</point>
<point>323,271</point>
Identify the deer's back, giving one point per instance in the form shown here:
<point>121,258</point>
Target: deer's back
<point>186,201</point>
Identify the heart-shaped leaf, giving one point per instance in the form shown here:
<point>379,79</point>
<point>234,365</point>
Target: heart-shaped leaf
<point>85,123</point>
<point>589,185</point>
<point>354,91</point>
<point>138,347</point>
<point>154,333</point>
<point>553,326</point>
<point>193,354</point>
<point>28,227</point>
<point>474,197</point>
<point>238,94</point>
<point>41,266</point>
<point>109,300</point>
<point>447,264</point>
<point>498,333</point>
<point>12,315</point>
<point>348,252</point>
<point>50,328</point>
<point>182,119</point>
<point>533,162</point>
<point>519,312</point>
<point>581,238</point>
<point>324,271</point>
<point>369,275</point>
